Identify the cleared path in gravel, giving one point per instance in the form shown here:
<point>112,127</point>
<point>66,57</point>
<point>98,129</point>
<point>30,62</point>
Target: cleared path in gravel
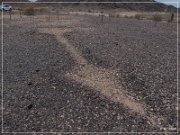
<point>100,79</point>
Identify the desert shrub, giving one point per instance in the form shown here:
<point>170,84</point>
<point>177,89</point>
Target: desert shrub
<point>112,15</point>
<point>117,15</point>
<point>157,18</point>
<point>29,11</point>
<point>40,10</point>
<point>89,10</point>
<point>80,10</point>
<point>131,17</point>
<point>138,16</point>
<point>125,16</point>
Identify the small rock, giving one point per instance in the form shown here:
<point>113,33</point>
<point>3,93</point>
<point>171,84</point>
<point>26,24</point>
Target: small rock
<point>37,70</point>
<point>87,51</point>
<point>30,106</point>
<point>30,83</point>
<point>113,113</point>
<point>53,87</point>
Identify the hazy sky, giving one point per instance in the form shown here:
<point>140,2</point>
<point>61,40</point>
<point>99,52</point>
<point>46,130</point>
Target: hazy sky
<point>170,1</point>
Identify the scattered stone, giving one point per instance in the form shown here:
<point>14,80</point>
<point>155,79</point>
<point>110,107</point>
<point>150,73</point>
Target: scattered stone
<point>30,106</point>
<point>87,51</point>
<point>53,87</point>
<point>37,70</point>
<point>30,83</point>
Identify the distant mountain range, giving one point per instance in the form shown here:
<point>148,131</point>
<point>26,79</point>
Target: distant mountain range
<point>149,7</point>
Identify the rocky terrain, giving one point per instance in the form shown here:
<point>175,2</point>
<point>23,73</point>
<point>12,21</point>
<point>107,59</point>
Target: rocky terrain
<point>80,73</point>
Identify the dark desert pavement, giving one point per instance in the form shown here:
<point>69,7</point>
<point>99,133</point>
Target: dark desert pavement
<point>79,74</point>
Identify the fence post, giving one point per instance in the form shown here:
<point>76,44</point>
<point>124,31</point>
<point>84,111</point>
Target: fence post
<point>20,13</point>
<point>102,17</point>
<point>49,15</point>
<point>57,11</point>
<point>10,15</point>
<point>109,26</point>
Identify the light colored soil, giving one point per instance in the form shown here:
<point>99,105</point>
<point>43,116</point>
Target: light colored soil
<point>100,79</point>
<point>105,82</point>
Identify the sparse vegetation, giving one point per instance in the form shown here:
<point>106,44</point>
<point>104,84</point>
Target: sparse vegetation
<point>89,10</point>
<point>125,16</point>
<point>117,15</point>
<point>154,17</point>
<point>157,18</point>
<point>40,10</point>
<point>113,15</point>
<point>138,16</point>
<point>29,11</point>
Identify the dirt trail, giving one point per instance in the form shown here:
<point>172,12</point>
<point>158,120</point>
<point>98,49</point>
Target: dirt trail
<point>104,81</point>
<point>100,79</point>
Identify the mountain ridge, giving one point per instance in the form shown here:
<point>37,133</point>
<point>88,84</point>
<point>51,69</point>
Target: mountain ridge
<point>154,6</point>
<point>147,7</point>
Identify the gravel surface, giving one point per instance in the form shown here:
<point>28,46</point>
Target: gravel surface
<point>143,53</point>
<point>39,98</point>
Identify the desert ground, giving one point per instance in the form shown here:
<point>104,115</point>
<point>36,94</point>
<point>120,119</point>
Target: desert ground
<point>88,73</point>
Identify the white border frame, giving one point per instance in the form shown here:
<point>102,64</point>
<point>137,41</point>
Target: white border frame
<point>93,132</point>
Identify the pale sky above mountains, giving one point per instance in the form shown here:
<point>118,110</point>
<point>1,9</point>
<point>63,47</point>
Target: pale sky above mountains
<point>174,4</point>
